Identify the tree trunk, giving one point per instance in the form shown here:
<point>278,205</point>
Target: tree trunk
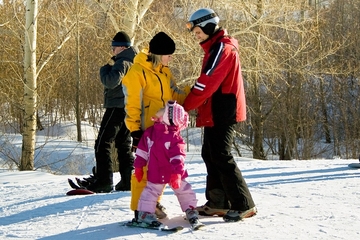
<point>257,117</point>
<point>78,76</point>
<point>323,104</point>
<point>30,94</point>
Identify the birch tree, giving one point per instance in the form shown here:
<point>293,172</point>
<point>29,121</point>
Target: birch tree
<point>129,15</point>
<point>78,76</point>
<point>30,95</point>
<point>31,72</point>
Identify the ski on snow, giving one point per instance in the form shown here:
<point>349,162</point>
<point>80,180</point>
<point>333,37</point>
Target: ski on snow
<point>195,224</point>
<point>135,224</point>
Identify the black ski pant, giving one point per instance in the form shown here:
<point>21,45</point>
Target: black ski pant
<point>112,129</point>
<point>225,186</point>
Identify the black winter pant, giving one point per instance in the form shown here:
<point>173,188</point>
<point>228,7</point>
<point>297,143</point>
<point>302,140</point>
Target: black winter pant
<point>112,129</point>
<point>225,186</point>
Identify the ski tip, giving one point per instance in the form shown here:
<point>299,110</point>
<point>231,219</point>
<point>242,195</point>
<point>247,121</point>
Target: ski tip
<point>197,226</point>
<point>173,229</point>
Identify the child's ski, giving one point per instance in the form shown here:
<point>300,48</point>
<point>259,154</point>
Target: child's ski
<point>163,228</point>
<point>196,224</point>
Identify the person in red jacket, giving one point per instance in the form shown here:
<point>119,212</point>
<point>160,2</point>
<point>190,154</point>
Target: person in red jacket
<point>219,98</point>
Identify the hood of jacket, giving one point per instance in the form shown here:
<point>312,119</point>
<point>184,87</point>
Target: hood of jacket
<point>141,59</point>
<point>220,36</point>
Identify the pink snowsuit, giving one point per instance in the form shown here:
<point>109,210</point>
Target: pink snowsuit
<point>163,149</point>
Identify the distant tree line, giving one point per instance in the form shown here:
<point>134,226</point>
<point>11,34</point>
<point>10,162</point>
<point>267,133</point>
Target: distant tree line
<point>300,63</point>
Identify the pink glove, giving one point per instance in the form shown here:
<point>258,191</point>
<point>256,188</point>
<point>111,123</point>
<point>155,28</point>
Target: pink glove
<point>139,173</point>
<point>175,181</point>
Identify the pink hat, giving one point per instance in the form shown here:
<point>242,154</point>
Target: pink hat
<point>175,115</point>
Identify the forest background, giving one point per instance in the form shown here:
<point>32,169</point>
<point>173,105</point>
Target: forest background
<point>300,63</point>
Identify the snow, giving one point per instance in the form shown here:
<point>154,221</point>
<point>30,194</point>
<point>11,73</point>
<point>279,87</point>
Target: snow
<point>314,199</point>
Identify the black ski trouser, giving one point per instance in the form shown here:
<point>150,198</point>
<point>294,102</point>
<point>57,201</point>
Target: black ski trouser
<point>112,129</point>
<point>225,186</point>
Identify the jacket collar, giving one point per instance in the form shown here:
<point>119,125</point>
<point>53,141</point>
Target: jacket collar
<point>206,45</point>
<point>141,58</point>
<point>127,53</point>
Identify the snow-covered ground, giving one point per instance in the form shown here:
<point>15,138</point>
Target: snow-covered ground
<point>314,199</point>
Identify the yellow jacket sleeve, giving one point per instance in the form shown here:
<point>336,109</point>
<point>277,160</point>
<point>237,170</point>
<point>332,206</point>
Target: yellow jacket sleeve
<point>179,94</point>
<point>133,86</point>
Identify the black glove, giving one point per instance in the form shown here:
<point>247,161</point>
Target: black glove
<point>136,135</point>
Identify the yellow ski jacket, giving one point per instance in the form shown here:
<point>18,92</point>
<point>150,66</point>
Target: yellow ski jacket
<point>147,90</point>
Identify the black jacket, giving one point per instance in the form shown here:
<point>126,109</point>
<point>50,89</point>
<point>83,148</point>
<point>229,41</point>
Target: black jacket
<point>111,77</point>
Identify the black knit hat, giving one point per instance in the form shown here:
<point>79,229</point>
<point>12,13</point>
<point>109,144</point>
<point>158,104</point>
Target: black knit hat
<point>121,39</point>
<point>162,44</point>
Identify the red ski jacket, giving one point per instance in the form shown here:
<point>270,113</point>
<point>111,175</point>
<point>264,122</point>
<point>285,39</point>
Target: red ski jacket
<point>218,94</point>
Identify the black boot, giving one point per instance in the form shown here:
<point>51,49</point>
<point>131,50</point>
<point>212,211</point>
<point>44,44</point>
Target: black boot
<point>125,182</point>
<point>136,215</point>
<point>100,187</point>
<point>88,180</point>
<point>104,178</point>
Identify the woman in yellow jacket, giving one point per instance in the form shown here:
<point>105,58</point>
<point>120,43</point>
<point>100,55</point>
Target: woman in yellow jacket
<point>147,86</point>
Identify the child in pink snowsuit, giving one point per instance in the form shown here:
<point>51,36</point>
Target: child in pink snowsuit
<point>162,149</point>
